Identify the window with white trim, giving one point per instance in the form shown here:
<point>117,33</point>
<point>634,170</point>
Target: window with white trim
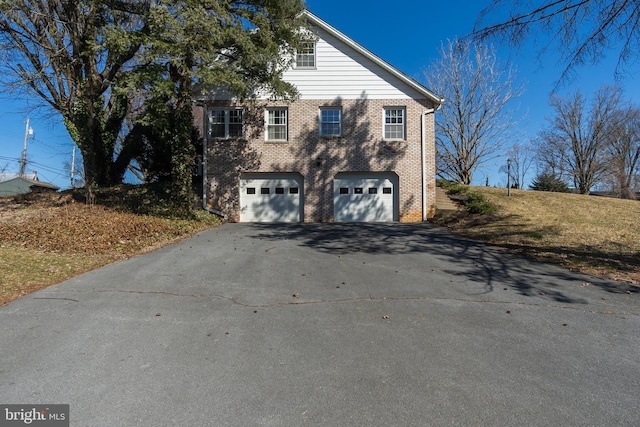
<point>306,56</point>
<point>394,122</point>
<point>277,122</point>
<point>330,122</point>
<point>226,123</point>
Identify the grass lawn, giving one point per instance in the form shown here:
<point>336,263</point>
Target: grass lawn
<point>596,235</point>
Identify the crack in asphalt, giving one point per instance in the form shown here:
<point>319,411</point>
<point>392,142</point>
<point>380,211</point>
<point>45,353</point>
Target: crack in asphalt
<point>357,299</point>
<point>371,298</point>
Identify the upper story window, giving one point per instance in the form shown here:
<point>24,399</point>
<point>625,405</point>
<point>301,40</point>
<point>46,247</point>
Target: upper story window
<point>226,123</point>
<point>277,122</point>
<point>394,123</point>
<point>330,122</point>
<point>306,57</point>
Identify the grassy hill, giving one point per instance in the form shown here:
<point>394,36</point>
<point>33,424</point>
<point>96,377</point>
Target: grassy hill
<point>592,234</point>
<point>46,238</point>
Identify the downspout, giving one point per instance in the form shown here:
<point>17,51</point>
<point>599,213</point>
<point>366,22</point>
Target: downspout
<point>205,139</point>
<point>423,143</point>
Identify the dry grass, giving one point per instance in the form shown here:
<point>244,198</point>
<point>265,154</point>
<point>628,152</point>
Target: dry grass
<point>592,234</point>
<point>47,238</point>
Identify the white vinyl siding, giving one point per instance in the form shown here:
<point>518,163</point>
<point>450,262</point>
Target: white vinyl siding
<point>394,123</point>
<point>277,121</point>
<point>342,72</point>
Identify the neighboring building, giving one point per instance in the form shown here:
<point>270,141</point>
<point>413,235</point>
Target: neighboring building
<point>357,145</point>
<point>14,184</point>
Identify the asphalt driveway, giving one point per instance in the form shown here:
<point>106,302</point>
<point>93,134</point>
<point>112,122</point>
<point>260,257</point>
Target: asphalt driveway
<point>327,325</point>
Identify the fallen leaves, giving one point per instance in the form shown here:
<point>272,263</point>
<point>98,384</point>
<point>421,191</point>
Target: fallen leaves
<point>47,238</point>
<point>91,230</point>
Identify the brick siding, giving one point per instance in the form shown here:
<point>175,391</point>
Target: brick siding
<point>360,148</point>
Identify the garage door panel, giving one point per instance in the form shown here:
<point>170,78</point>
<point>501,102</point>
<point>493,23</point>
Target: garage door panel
<point>271,198</point>
<point>367,198</point>
<point>365,210</point>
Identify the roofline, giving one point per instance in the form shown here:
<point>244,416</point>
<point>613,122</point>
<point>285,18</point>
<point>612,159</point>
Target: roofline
<point>42,184</point>
<point>314,20</point>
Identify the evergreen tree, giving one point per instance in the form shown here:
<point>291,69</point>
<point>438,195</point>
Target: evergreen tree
<point>547,181</point>
<point>92,60</point>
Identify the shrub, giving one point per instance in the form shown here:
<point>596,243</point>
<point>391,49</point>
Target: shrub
<point>477,203</point>
<point>456,188</point>
<point>549,182</point>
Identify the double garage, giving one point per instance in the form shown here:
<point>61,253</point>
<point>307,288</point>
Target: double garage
<point>357,197</point>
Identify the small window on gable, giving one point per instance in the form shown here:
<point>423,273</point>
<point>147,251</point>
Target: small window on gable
<point>330,122</point>
<point>394,123</point>
<point>277,119</point>
<point>306,56</point>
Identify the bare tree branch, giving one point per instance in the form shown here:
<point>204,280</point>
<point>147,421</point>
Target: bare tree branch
<point>522,158</point>
<point>475,122</point>
<point>582,31</point>
<point>575,141</point>
<point>623,151</point>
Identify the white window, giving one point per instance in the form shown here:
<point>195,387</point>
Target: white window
<point>226,123</point>
<point>277,124</point>
<point>394,123</point>
<point>330,122</point>
<point>306,57</point>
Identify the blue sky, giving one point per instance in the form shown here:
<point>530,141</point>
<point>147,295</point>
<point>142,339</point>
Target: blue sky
<point>408,37</point>
<point>406,34</point>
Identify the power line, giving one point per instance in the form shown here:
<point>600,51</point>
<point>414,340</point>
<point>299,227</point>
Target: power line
<point>58,150</point>
<point>17,159</point>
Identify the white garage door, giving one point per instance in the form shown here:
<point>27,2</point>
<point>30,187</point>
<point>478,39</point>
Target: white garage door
<point>364,197</point>
<point>271,197</point>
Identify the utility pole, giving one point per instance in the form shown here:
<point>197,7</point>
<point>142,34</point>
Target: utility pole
<point>73,163</point>
<point>23,162</point>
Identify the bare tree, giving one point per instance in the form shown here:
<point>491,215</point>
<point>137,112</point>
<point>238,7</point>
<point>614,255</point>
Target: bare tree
<point>623,151</point>
<point>521,157</point>
<point>475,122</point>
<point>551,157</point>
<point>577,136</point>
<point>582,31</point>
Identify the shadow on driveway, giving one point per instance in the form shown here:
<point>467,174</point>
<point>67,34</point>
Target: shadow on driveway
<point>478,262</point>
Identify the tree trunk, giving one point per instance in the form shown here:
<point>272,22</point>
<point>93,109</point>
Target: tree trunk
<point>96,145</point>
<point>182,149</point>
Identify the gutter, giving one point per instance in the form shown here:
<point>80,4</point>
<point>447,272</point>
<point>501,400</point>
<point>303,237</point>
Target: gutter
<point>204,165</point>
